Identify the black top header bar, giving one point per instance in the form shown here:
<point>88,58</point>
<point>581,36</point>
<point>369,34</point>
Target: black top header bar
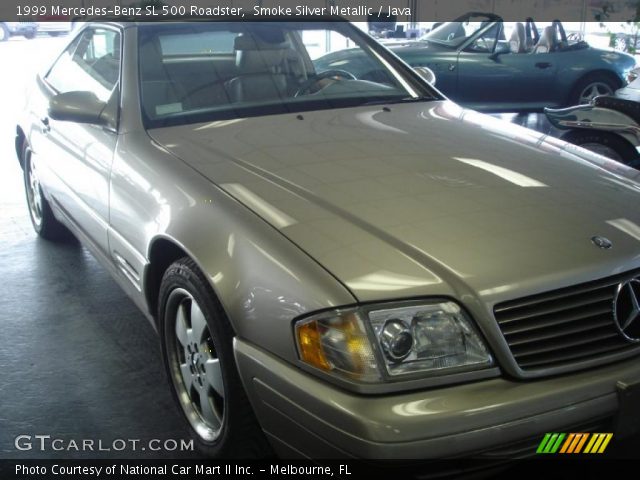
<point>353,10</point>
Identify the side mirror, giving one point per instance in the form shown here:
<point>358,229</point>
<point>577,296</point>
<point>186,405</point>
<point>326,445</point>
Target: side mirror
<point>79,107</point>
<point>501,49</point>
<point>427,74</point>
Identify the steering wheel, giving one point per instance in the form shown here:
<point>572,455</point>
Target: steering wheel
<point>484,47</point>
<point>333,74</point>
<point>574,37</point>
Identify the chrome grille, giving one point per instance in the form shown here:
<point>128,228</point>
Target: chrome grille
<point>565,326</point>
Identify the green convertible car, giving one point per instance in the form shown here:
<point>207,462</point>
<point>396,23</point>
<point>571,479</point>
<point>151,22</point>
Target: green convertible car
<point>489,65</point>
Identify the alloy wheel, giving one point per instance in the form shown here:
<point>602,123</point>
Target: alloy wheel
<point>34,194</point>
<point>620,44</point>
<point>594,90</point>
<point>195,366</point>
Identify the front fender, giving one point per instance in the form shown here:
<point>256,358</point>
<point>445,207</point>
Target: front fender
<point>578,64</point>
<point>261,278</point>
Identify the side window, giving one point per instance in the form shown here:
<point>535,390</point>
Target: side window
<point>91,63</point>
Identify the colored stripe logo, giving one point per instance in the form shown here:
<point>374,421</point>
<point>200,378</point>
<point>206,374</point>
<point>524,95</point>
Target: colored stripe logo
<point>574,442</point>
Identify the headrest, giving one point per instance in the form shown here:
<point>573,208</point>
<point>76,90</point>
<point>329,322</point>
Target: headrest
<point>547,41</point>
<point>255,55</point>
<point>517,40</point>
<point>253,42</point>
<point>549,34</point>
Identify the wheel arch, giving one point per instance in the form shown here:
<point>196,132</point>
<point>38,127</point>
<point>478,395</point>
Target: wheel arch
<point>606,72</point>
<point>163,252</point>
<point>612,75</point>
<point>20,141</point>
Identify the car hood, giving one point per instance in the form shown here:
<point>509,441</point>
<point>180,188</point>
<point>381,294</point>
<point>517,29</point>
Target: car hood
<point>424,198</point>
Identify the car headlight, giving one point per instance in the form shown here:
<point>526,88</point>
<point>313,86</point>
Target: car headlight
<point>372,343</point>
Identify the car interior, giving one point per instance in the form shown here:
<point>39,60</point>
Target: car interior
<point>263,65</point>
<point>523,38</point>
<point>256,68</point>
<point>527,38</point>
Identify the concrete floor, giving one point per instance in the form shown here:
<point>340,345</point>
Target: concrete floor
<point>78,360</point>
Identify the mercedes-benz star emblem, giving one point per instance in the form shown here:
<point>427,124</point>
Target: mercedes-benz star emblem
<point>626,310</point>
<point>601,242</point>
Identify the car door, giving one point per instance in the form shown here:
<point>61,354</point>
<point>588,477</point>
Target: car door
<point>490,75</point>
<point>78,156</point>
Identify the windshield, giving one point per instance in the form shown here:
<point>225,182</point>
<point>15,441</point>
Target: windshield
<point>193,72</point>
<point>454,34</point>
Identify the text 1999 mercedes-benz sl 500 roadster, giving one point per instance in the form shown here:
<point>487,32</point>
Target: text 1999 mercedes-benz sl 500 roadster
<point>339,266</point>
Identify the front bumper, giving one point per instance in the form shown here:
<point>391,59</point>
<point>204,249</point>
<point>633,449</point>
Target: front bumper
<point>304,416</point>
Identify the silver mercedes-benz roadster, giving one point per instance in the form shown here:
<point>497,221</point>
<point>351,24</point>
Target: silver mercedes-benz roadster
<point>339,266</point>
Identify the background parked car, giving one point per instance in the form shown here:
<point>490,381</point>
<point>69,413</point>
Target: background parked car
<point>11,29</point>
<point>623,42</point>
<point>54,29</point>
<point>490,66</point>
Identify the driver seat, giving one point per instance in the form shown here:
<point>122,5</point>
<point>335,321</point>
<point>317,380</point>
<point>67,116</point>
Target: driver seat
<point>159,89</point>
<point>547,41</point>
<point>517,42</point>
<point>259,65</point>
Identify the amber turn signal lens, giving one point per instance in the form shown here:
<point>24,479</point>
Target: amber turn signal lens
<point>311,347</point>
<point>337,342</point>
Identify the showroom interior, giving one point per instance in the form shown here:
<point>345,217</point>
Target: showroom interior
<point>82,361</point>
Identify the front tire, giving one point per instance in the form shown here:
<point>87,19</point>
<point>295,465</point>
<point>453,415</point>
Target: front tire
<point>4,33</point>
<point>198,355</point>
<point>608,144</point>
<point>43,220</point>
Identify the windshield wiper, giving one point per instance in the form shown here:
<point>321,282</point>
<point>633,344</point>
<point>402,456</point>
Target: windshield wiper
<point>391,101</point>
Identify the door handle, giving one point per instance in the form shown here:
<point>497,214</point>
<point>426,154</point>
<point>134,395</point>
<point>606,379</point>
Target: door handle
<point>542,65</point>
<point>46,126</point>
